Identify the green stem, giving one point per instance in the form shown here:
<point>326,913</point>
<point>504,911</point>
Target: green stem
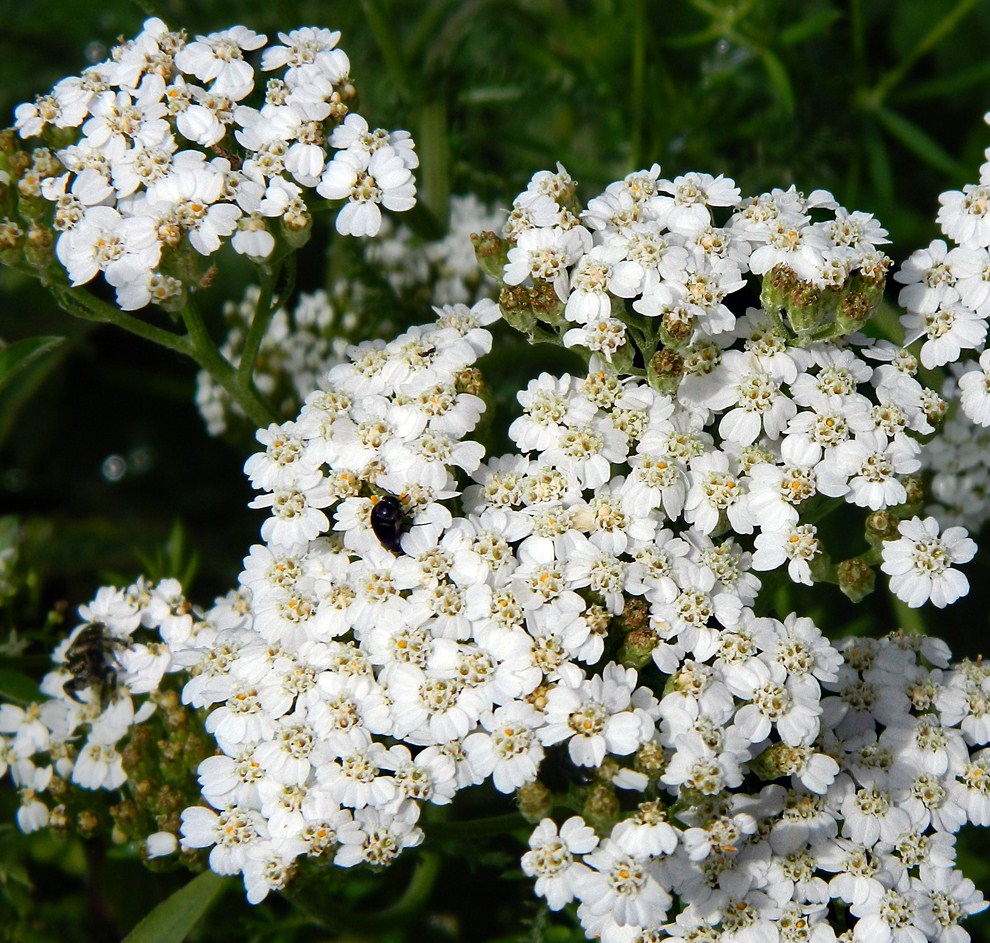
<point>263,311</point>
<point>930,40</point>
<point>908,619</point>
<point>81,304</point>
<point>433,143</point>
<point>388,45</point>
<point>240,389</point>
<point>416,894</point>
<point>637,83</point>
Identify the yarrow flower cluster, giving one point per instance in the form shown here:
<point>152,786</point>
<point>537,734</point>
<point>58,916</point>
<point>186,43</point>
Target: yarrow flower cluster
<point>858,841</point>
<point>783,405</point>
<point>110,679</point>
<point>421,617</point>
<point>653,247</point>
<point>747,776</point>
<point>946,290</point>
<point>169,154</point>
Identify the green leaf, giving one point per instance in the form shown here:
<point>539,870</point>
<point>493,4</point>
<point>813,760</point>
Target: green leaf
<point>172,919</point>
<point>24,366</point>
<point>808,27</point>
<point>945,85</point>
<point>17,688</point>
<point>918,141</point>
<point>779,78</point>
<point>20,355</point>
<point>878,162</point>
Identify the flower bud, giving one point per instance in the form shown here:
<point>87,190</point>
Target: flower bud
<point>514,302</point>
<point>856,578</point>
<point>39,245</point>
<point>779,760</point>
<point>535,801</point>
<point>650,759</point>
<point>637,650</point>
<point>19,163</point>
<point>676,327</point>
<point>87,822</point>
<point>601,807</point>
<point>807,306</point>
<point>664,370</point>
<point>492,251</point>
<point>855,309</point>
<point>915,489</point>
<point>880,526</point>
<point>635,616</point>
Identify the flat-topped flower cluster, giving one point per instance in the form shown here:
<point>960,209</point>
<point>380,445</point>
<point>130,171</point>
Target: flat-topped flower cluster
<point>421,617</point>
<point>748,776</point>
<point>157,149</point>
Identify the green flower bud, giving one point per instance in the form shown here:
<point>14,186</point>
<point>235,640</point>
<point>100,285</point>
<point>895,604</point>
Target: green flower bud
<point>601,807</point>
<point>881,526</point>
<point>664,370</point>
<point>856,578</point>
<point>855,309</point>
<point>650,759</point>
<point>39,247</point>
<point>807,307</point>
<point>635,616</point>
<point>779,760</point>
<point>915,500</point>
<point>637,650</point>
<point>297,225</point>
<point>535,801</point>
<point>516,309</point>
<point>676,327</point>
<point>491,251</point>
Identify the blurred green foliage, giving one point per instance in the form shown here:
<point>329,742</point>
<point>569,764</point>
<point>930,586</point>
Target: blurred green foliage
<point>105,461</point>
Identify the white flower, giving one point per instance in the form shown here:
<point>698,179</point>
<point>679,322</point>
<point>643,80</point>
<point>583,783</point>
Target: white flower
<point>366,180</point>
<point>866,468</point>
<point>105,241</point>
<point>380,836</point>
<point>626,887</point>
<point>231,833</point>
<point>714,489</point>
<point>510,752</point>
<point>219,58</point>
<point>921,562</point>
<point>551,859</point>
<point>546,254</point>
<point>795,544</point>
<point>950,329</point>
<point>597,717</point>
<point>190,199</point>
<point>965,215</point>
<point>928,278</point>
<point>897,916</point>
<point>975,387</point>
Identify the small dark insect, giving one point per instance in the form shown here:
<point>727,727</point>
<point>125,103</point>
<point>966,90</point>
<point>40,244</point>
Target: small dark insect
<point>90,661</point>
<point>386,522</point>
